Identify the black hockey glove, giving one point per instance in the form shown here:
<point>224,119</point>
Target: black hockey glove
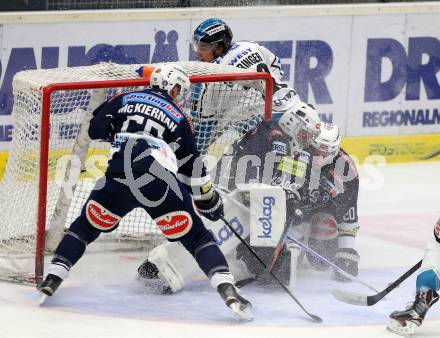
<point>348,260</point>
<point>211,209</point>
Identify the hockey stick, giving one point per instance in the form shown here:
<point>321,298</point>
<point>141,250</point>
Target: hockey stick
<point>363,300</point>
<point>315,318</point>
<point>306,248</point>
<point>280,243</point>
<point>228,194</point>
<point>334,266</point>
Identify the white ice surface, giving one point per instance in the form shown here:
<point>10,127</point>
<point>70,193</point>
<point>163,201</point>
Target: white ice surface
<point>101,298</point>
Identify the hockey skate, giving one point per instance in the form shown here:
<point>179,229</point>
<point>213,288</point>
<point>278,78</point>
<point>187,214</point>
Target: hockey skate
<point>50,284</point>
<point>240,306</point>
<point>48,287</point>
<point>407,321</point>
<point>148,275</point>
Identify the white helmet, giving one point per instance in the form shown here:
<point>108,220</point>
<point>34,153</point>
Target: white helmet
<point>284,99</point>
<point>302,123</point>
<point>328,142</point>
<point>167,76</point>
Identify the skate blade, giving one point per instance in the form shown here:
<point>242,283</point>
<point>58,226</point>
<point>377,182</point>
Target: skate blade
<point>243,314</point>
<point>406,331</point>
<point>42,300</point>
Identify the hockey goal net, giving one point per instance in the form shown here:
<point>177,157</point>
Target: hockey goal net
<point>53,165</point>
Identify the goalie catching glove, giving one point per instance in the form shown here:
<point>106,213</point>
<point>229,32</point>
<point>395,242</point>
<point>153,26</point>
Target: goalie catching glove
<point>211,208</point>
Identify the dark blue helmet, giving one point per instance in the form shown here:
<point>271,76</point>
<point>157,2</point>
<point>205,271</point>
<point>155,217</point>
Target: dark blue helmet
<point>213,31</point>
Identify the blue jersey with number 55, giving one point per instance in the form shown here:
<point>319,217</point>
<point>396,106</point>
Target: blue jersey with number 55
<point>139,122</point>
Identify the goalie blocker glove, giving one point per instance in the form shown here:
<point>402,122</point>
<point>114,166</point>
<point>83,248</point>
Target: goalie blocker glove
<point>212,209</point>
<point>348,260</point>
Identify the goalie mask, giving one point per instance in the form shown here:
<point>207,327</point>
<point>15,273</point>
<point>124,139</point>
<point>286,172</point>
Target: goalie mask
<point>212,33</point>
<point>328,142</point>
<point>167,77</point>
<point>301,122</point>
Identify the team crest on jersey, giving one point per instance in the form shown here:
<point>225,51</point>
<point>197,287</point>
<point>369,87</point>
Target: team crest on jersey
<point>99,217</point>
<point>174,224</point>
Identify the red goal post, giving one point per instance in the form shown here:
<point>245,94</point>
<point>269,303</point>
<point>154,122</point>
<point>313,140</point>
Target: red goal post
<point>248,94</point>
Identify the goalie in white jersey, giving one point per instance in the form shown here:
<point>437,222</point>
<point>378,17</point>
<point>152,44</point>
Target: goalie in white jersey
<point>212,41</point>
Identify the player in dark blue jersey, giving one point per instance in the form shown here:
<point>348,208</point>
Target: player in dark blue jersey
<point>333,204</point>
<point>326,190</point>
<point>154,164</point>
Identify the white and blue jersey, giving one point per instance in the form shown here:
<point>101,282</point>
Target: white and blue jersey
<point>253,56</point>
<point>429,278</point>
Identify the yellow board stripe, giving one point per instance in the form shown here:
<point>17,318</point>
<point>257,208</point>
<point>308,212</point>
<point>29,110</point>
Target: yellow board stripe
<point>395,149</point>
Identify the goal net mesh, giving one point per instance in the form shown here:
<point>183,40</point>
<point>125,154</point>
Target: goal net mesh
<point>221,112</point>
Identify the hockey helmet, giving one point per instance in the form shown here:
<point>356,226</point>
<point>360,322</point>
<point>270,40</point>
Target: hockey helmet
<point>328,141</point>
<point>168,76</point>
<point>212,32</point>
<point>302,123</point>
<point>282,100</point>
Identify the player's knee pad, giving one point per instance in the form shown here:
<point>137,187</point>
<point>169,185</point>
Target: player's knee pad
<point>175,224</point>
<point>323,239</point>
<point>99,217</point>
<point>167,271</point>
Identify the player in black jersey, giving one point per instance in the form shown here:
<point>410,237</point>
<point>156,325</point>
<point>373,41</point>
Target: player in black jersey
<point>321,181</point>
<point>333,204</point>
<point>154,164</point>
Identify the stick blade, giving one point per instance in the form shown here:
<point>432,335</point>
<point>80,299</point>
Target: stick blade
<point>316,318</point>
<point>350,297</point>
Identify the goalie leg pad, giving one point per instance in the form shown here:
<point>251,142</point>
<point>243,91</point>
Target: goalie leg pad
<point>295,256</point>
<point>167,271</point>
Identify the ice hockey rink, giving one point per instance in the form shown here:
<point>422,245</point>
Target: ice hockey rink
<point>399,204</point>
